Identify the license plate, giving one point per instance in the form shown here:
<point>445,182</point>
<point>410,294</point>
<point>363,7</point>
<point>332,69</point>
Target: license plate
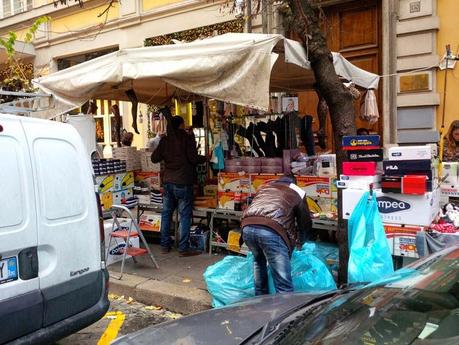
<point>8,270</point>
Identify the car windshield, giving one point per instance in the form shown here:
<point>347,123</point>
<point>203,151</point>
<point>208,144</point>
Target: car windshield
<point>416,306</point>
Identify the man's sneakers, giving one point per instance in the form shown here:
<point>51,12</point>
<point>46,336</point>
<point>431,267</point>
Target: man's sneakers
<point>189,252</point>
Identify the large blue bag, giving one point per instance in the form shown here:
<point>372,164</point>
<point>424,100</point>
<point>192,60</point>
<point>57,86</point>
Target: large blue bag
<point>369,253</point>
<point>326,252</point>
<point>230,280</point>
<point>309,273</point>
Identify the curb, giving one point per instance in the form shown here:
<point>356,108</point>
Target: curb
<point>173,297</point>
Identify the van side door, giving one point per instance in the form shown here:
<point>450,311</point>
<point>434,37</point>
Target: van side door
<point>71,279</point>
<point>21,304</point>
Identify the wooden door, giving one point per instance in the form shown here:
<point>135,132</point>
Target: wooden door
<point>354,30</point>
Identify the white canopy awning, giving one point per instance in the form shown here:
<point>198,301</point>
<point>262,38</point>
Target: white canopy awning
<point>235,68</point>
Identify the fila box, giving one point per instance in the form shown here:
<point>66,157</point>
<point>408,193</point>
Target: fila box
<point>397,208</point>
<point>402,153</point>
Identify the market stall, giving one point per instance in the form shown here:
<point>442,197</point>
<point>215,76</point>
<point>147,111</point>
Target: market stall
<point>223,68</point>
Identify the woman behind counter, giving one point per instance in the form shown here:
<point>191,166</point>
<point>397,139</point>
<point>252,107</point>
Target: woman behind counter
<point>451,144</point>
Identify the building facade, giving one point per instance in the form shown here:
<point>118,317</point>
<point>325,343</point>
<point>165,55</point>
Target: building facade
<point>402,40</point>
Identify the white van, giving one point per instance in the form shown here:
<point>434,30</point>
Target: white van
<point>53,280</point>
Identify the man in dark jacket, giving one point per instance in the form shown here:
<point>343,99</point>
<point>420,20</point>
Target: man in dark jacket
<point>271,233</point>
<point>178,151</point>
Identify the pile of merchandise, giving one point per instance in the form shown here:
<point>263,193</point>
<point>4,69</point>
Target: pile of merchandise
<point>404,185</point>
<point>116,189</point>
<point>130,155</point>
<point>108,166</point>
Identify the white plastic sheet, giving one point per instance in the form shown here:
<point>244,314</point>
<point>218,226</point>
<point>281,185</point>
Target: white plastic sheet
<point>236,68</point>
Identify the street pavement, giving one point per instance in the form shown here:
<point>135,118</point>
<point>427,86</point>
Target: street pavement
<point>125,316</point>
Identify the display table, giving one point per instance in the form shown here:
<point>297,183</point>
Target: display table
<point>218,213</point>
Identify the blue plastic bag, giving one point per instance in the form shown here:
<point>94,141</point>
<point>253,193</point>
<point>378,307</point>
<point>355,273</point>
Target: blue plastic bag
<point>230,280</point>
<point>309,273</point>
<point>369,253</point>
<point>326,252</point>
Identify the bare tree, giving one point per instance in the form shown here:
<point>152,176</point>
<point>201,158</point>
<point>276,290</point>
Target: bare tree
<point>339,99</point>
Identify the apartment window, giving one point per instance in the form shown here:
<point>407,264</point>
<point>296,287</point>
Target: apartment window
<point>12,7</point>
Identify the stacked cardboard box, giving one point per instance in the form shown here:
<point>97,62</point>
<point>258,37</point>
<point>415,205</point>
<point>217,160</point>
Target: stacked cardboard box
<point>115,189</point>
<point>450,179</point>
<point>130,155</point>
<point>145,162</point>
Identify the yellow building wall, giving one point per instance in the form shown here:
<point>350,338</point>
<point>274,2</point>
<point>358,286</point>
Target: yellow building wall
<point>83,19</point>
<point>448,11</point>
<point>150,4</point>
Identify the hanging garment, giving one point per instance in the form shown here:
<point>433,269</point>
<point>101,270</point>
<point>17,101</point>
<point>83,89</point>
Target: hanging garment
<point>269,147</point>
<point>279,127</point>
<point>218,159</point>
<point>369,110</point>
<point>253,131</point>
<point>242,131</point>
<point>307,135</point>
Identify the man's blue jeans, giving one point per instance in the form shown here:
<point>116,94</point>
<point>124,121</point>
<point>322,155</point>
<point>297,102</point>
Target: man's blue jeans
<point>182,196</point>
<point>268,247</point>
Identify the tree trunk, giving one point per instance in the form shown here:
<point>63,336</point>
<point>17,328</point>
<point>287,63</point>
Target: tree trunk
<point>337,96</point>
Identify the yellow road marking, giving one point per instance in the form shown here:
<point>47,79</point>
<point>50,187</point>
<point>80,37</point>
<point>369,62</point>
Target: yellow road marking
<point>117,319</point>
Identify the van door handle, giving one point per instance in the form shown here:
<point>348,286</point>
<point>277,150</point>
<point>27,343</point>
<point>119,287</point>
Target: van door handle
<point>28,263</point>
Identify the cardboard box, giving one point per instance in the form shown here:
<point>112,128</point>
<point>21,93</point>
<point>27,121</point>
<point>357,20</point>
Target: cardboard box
<point>144,199</point>
<point>402,239</point>
<point>360,141</point>
<point>410,153</point>
<point>453,192</point>
<point>365,155</point>
<point>106,200</point>
<point>408,167</point>
<point>150,222</point>
<point>117,244</point>
<point>321,204</point>
<point>211,190</point>
<point>391,184</point>
<point>418,210</point>
<point>259,180</point>
<point>359,168</point>
<point>226,199</point>
<point>151,179</point>
<point>233,182</point>
<point>359,182</point>
<point>124,181</point>
<point>413,184</point>
<point>315,186</point>
<point>105,183</point>
<point>119,198</point>
<point>449,176</point>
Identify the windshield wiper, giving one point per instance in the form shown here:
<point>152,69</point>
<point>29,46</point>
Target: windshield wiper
<point>272,325</point>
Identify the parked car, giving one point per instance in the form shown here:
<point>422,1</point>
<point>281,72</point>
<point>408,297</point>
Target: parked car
<point>417,305</point>
<point>52,277</point>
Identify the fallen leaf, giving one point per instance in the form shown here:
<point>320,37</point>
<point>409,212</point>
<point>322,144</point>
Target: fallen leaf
<point>130,300</point>
<point>186,281</point>
<point>120,298</point>
<point>152,307</point>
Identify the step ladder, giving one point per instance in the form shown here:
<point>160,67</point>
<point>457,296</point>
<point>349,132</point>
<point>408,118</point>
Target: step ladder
<point>133,231</point>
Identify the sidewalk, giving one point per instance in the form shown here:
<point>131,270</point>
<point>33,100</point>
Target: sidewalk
<point>177,285</point>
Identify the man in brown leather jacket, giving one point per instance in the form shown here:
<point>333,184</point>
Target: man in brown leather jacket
<point>276,221</point>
